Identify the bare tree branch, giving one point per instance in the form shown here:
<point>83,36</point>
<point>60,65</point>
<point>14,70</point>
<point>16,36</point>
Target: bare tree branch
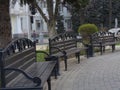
<point>40,11</point>
<point>50,8</point>
<point>56,8</point>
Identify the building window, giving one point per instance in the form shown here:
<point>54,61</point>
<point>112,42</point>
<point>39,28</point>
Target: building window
<point>60,7</point>
<point>69,24</point>
<point>21,23</point>
<point>13,3</point>
<point>44,4</point>
<point>37,25</point>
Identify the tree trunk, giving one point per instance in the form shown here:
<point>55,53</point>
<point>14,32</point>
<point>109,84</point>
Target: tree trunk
<point>51,29</point>
<point>5,24</point>
<point>110,13</point>
<point>82,16</point>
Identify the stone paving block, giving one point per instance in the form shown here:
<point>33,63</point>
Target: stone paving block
<point>101,72</point>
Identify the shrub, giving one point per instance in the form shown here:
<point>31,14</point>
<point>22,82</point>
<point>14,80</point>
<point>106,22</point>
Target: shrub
<point>86,30</point>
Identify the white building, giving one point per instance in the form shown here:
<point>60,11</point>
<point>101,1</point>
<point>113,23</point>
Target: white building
<point>67,17</point>
<point>20,19</point>
<point>23,23</point>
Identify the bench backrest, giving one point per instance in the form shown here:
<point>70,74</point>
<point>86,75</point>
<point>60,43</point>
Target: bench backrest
<point>118,36</point>
<point>102,37</point>
<point>19,53</point>
<point>63,41</point>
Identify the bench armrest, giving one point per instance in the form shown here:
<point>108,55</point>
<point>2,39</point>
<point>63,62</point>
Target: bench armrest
<point>62,51</point>
<point>97,41</point>
<point>36,80</point>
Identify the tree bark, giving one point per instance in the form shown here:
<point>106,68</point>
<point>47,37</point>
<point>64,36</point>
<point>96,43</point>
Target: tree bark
<point>52,14</point>
<point>5,24</point>
<point>82,16</point>
<point>51,29</point>
<point>110,13</point>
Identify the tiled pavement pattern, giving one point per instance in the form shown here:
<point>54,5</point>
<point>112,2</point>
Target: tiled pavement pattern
<point>101,72</point>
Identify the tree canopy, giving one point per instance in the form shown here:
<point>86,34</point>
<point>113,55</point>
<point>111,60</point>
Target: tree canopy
<point>78,12</point>
<point>77,3</point>
<point>98,12</point>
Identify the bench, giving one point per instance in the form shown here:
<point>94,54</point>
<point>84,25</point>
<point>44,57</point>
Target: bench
<point>64,46</point>
<point>101,39</point>
<point>19,69</point>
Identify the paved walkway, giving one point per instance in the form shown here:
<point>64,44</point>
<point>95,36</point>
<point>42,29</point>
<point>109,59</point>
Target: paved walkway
<point>101,72</point>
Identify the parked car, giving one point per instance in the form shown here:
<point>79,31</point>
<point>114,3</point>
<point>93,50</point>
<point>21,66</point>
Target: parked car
<point>115,30</point>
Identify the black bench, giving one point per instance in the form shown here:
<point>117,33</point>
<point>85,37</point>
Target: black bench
<point>19,69</point>
<point>101,39</point>
<point>65,45</point>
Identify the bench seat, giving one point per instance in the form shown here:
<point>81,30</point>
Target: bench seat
<point>74,50</point>
<point>39,69</point>
<point>59,54</point>
<point>69,51</point>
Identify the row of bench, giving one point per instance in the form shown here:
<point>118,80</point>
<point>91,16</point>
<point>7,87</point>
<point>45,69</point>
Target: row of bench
<point>19,69</point>
<point>65,45</point>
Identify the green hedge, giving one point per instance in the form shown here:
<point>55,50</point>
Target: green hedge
<point>86,30</point>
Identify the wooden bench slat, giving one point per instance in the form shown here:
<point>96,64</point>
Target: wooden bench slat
<point>14,57</point>
<point>13,74</point>
<point>36,70</point>
<point>22,60</point>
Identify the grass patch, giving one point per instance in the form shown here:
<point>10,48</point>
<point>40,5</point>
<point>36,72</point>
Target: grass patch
<point>118,44</point>
<point>82,52</point>
<point>40,56</point>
